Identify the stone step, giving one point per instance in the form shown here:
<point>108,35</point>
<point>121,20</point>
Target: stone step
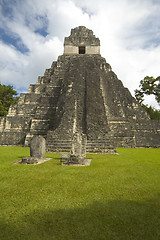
<point>51,140</point>
<point>54,149</point>
<point>92,146</point>
<point>99,142</point>
<point>58,147</point>
<point>59,143</point>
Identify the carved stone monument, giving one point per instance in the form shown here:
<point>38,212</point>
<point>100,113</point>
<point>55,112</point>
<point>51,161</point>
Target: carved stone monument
<point>38,147</point>
<point>37,150</point>
<point>78,152</point>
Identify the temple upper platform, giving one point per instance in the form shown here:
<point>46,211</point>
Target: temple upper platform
<point>81,41</point>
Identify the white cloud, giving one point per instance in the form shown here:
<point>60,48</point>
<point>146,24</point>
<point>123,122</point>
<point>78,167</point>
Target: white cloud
<point>129,32</point>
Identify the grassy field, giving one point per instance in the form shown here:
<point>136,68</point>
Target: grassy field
<point>116,198</point>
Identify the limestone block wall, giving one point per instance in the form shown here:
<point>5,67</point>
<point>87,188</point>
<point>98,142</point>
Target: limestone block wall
<point>92,49</point>
<point>71,50</point>
<point>12,137</point>
<point>2,123</point>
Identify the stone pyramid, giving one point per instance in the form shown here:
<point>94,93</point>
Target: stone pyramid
<point>79,93</point>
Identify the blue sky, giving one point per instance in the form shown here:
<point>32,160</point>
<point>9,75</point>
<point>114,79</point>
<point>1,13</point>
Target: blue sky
<point>32,34</point>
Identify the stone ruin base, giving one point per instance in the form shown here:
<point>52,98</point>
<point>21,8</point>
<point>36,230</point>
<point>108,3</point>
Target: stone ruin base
<point>33,160</point>
<point>84,162</point>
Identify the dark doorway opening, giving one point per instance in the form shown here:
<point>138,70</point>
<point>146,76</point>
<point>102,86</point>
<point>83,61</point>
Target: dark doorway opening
<point>82,50</point>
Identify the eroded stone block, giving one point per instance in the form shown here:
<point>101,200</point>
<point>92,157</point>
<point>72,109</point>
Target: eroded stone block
<point>37,147</point>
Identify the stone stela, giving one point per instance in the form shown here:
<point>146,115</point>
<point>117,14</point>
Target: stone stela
<point>79,98</point>
<point>78,152</point>
<point>37,151</point>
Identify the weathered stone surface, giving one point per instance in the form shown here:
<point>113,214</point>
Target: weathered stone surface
<point>33,160</point>
<point>80,92</point>
<point>37,147</point>
<point>37,151</point>
<point>78,152</point>
<point>81,41</point>
<point>29,160</point>
<point>85,162</point>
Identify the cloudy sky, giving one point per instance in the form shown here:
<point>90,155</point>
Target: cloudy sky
<point>32,34</point>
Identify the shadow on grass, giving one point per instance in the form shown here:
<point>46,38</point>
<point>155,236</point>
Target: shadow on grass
<point>112,220</point>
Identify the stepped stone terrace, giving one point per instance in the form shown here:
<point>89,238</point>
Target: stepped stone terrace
<point>79,93</point>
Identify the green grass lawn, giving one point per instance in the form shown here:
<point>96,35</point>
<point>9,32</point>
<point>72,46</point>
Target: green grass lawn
<point>116,198</point>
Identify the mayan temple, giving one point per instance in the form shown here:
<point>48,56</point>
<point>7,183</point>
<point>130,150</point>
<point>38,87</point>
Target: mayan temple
<point>79,94</point>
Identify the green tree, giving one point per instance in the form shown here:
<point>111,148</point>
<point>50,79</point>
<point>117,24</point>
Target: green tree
<point>149,86</point>
<point>7,97</point>
<point>153,113</point>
